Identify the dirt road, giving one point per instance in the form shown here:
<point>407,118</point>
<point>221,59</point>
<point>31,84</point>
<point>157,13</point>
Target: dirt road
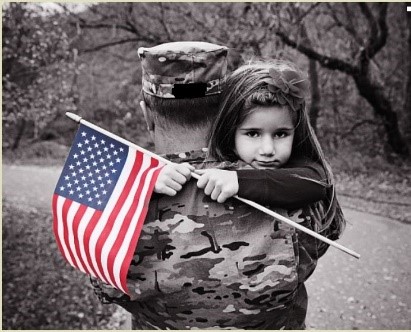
<point>344,293</point>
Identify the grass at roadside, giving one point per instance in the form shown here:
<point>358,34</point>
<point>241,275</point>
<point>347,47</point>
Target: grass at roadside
<point>40,290</point>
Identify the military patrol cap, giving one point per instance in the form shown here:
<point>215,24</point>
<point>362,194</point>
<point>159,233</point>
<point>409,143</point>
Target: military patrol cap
<point>183,69</point>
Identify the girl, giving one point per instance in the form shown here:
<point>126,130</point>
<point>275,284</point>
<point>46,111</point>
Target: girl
<point>263,122</point>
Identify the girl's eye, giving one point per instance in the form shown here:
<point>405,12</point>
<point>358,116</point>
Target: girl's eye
<point>281,134</point>
<point>252,133</point>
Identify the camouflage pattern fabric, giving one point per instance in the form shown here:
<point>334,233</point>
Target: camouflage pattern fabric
<point>183,63</point>
<point>204,265</point>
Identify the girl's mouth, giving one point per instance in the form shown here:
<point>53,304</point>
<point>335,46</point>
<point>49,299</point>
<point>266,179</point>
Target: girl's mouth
<point>268,164</point>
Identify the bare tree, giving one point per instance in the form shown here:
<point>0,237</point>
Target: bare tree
<point>364,44</point>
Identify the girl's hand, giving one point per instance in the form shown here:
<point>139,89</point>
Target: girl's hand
<point>218,183</point>
<point>172,177</point>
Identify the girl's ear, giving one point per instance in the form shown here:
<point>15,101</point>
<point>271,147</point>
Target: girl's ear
<point>149,119</point>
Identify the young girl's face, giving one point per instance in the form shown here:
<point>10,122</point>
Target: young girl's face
<point>265,138</point>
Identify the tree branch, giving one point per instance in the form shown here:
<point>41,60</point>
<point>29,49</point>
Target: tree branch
<point>378,32</point>
<point>347,27</point>
<point>118,42</point>
<point>356,125</point>
<point>325,61</point>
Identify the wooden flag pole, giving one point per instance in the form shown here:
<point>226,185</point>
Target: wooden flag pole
<point>196,176</point>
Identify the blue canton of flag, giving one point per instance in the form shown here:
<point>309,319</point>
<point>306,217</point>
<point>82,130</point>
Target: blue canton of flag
<point>92,168</point>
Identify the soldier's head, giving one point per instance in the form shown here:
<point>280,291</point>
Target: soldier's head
<point>182,82</point>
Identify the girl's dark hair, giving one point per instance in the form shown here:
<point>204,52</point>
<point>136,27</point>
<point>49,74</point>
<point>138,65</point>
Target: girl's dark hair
<point>247,88</point>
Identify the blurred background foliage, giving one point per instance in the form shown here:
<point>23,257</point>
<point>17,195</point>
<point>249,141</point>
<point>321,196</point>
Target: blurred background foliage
<point>83,58</point>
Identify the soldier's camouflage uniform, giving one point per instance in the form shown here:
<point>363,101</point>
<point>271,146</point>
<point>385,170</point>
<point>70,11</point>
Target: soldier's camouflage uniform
<point>204,265</point>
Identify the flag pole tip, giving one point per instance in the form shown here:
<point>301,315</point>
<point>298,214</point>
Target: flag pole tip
<point>73,116</point>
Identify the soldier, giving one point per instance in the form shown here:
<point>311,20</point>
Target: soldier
<point>198,263</point>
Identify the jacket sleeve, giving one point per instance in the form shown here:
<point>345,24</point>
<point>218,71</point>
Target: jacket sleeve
<point>291,187</point>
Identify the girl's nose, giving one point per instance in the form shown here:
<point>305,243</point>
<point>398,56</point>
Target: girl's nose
<point>267,147</point>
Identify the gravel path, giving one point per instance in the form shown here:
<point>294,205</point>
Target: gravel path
<point>344,293</point>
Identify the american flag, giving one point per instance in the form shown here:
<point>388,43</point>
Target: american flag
<point>100,203</point>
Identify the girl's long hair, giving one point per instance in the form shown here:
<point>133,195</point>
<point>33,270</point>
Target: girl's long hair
<point>245,89</point>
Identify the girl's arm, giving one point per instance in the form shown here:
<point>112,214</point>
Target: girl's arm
<point>294,186</point>
<point>285,187</point>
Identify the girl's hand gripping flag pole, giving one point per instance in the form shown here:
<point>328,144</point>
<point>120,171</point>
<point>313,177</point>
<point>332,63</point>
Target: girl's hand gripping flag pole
<point>101,200</point>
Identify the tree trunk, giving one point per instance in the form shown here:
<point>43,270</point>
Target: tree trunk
<point>314,110</point>
<point>374,94</point>
<point>407,104</point>
<point>21,127</point>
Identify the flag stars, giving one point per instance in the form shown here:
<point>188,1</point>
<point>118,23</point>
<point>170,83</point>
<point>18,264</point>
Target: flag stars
<point>93,171</point>
<point>84,134</point>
